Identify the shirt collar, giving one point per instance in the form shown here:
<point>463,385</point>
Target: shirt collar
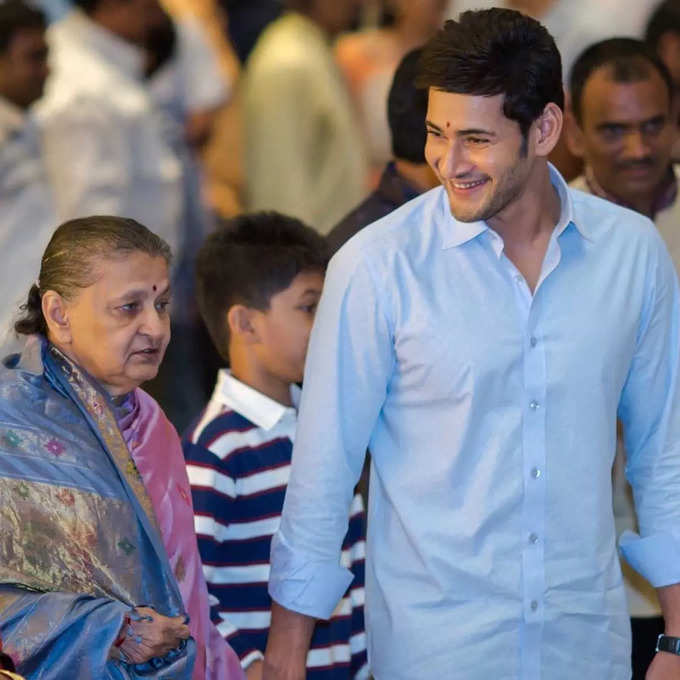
<point>12,118</point>
<point>665,196</point>
<point>258,408</point>
<point>461,232</point>
<point>125,56</point>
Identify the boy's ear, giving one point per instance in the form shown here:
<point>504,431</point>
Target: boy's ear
<point>240,320</point>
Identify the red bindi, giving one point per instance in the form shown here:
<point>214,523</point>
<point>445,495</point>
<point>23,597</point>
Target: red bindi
<point>155,288</point>
<point>448,124</point>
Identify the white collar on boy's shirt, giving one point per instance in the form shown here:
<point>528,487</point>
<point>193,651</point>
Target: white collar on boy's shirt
<point>260,409</point>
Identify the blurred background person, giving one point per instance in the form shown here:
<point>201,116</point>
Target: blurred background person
<point>27,215</point>
<point>188,88</point>
<point>104,140</point>
<point>407,175</point>
<point>303,147</point>
<point>247,19</point>
<point>368,59</point>
<point>623,128</point>
<point>663,36</point>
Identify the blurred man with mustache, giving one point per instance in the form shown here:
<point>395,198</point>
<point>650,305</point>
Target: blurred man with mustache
<point>622,127</point>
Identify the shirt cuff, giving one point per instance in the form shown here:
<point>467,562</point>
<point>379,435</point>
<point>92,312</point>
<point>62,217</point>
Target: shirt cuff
<point>303,585</point>
<point>656,557</point>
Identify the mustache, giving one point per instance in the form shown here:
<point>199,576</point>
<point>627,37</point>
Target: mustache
<point>633,164</point>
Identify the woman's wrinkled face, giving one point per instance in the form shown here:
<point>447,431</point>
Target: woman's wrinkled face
<point>118,328</point>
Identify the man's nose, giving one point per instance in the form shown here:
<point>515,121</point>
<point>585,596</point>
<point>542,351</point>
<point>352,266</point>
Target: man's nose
<point>636,146</point>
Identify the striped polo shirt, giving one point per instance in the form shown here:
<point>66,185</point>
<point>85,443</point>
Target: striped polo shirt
<point>238,459</point>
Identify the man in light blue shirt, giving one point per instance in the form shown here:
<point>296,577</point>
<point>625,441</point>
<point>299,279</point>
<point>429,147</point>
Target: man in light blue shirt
<point>482,339</point>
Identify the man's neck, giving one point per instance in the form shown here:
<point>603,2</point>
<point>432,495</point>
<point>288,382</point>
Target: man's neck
<point>536,210</point>
<point>246,368</point>
<point>418,175</point>
<point>648,204</point>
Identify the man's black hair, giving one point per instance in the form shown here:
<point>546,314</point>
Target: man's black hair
<point>247,260</point>
<point>629,61</point>
<point>15,16</point>
<point>496,51</point>
<point>664,19</point>
<point>406,111</point>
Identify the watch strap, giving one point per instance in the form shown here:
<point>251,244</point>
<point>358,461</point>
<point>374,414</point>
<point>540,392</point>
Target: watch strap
<point>668,643</point>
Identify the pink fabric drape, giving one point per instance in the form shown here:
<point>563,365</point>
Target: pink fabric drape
<point>157,452</point>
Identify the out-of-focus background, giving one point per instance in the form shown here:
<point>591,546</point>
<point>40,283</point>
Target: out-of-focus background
<point>182,112</point>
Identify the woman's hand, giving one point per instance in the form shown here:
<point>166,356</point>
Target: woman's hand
<point>148,634</point>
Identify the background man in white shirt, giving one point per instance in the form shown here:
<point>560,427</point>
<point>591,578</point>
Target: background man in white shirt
<point>103,138</point>
<point>27,215</point>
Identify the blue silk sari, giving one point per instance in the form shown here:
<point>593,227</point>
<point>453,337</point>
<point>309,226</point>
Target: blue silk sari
<point>79,544</point>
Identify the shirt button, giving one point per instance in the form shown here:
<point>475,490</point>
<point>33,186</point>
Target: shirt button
<point>534,405</point>
<point>535,472</point>
<point>518,278</point>
<point>533,538</point>
<point>533,341</point>
<point>534,605</point>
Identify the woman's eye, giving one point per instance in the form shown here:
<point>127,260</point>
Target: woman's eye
<point>129,307</point>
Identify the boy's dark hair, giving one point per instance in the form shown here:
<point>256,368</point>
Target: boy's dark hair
<point>406,111</point>
<point>247,260</point>
<point>15,16</point>
<point>496,51</point>
<point>630,61</point>
<point>664,19</point>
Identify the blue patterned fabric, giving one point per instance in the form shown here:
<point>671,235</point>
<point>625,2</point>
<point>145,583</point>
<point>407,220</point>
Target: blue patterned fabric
<point>78,541</point>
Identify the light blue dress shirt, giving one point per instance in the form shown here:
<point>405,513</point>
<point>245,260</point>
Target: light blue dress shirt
<point>491,416</point>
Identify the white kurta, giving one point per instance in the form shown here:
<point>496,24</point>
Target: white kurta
<point>103,138</point>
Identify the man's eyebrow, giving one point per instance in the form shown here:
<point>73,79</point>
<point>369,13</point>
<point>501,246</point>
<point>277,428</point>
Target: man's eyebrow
<point>474,131</point>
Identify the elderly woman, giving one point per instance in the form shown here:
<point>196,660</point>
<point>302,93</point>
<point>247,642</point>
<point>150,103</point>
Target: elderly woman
<point>99,571</point>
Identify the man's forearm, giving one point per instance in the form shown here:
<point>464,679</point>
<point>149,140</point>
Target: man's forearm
<point>669,598</point>
<point>290,634</point>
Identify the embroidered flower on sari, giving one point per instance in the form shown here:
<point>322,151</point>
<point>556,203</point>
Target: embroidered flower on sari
<point>12,439</point>
<point>126,546</point>
<point>22,490</point>
<point>66,497</point>
<point>54,447</point>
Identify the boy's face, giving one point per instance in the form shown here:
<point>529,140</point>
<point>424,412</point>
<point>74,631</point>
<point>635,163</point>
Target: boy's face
<point>284,328</point>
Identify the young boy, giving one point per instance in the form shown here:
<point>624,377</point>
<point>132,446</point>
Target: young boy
<point>259,279</point>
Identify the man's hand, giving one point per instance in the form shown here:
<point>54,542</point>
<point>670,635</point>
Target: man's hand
<point>152,636</point>
<point>665,666</point>
<point>254,671</point>
<point>287,645</point>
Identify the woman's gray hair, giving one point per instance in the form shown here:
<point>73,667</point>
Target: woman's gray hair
<point>69,261</point>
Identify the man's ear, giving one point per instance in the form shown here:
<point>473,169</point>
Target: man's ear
<point>55,311</point>
<point>241,326</point>
<point>547,130</point>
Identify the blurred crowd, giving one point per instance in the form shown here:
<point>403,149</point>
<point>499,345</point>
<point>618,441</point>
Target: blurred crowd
<point>182,113</point>
<point>179,113</point>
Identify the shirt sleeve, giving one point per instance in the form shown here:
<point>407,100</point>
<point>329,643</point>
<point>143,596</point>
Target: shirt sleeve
<point>205,84</point>
<point>650,412</point>
<point>213,491</point>
<point>349,363</point>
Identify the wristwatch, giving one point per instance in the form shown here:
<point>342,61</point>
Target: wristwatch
<point>666,643</point>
